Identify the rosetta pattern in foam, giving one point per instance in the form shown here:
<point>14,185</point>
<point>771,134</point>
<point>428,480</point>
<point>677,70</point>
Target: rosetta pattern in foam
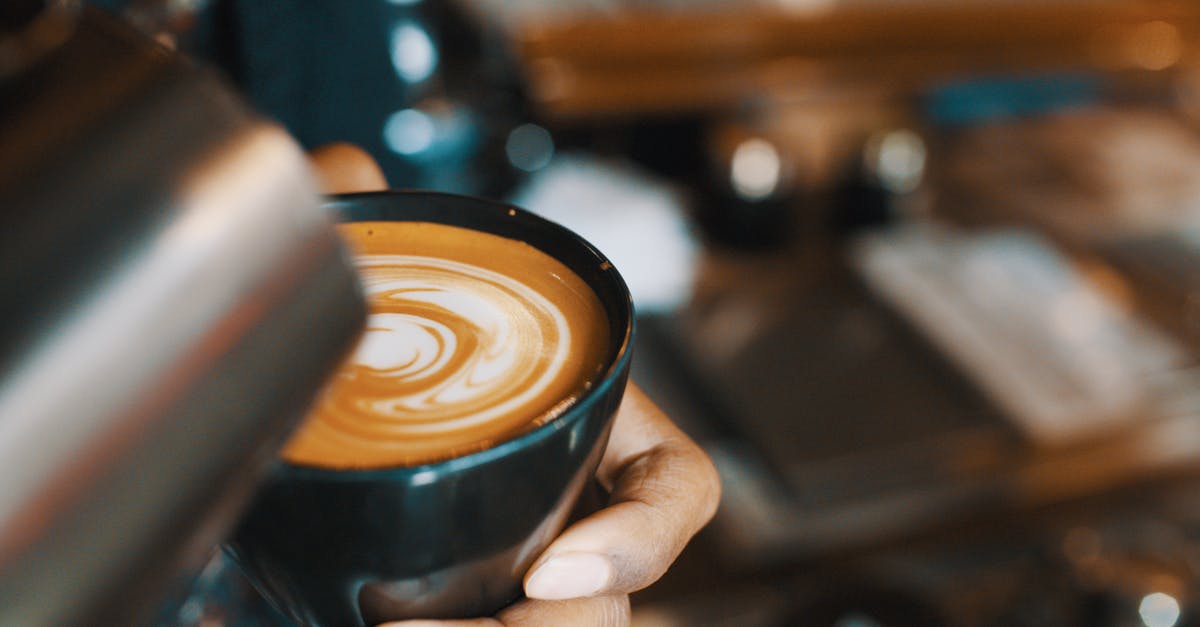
<point>451,351</point>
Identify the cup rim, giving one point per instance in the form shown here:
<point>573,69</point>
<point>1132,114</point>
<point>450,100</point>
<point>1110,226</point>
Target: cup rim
<point>617,365</point>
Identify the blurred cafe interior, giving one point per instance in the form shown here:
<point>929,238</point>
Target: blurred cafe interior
<point>921,276</point>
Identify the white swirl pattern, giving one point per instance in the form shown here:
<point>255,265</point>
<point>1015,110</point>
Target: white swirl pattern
<point>508,367</point>
<point>454,357</point>
<point>471,339</point>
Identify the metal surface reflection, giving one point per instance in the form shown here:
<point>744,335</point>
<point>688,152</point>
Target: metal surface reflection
<point>171,297</point>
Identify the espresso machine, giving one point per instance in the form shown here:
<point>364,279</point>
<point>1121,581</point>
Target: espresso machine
<point>172,295</point>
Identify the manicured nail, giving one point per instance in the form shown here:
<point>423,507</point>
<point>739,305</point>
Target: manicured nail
<point>569,576</point>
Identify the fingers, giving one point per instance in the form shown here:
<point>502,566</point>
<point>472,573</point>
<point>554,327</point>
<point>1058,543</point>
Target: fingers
<point>343,168</point>
<point>602,611</point>
<point>474,622</point>
<point>664,489</point>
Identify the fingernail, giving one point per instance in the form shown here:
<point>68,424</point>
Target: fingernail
<point>569,576</point>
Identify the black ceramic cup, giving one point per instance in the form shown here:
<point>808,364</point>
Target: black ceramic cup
<point>448,539</point>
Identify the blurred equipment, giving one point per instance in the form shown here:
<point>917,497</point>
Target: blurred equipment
<point>606,59</point>
<point>1063,360</point>
<point>171,297</point>
<point>431,93</point>
<point>637,220</point>
<point>1117,183</point>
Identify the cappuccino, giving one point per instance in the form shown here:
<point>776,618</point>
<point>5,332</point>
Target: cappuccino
<point>472,339</point>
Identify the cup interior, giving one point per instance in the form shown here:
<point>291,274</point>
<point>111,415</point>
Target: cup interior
<point>515,223</point>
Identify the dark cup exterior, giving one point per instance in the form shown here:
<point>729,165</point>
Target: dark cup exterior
<point>450,539</point>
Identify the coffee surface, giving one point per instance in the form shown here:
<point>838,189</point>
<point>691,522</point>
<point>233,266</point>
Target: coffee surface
<point>471,340</point>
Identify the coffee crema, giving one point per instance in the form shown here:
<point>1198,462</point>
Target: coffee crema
<point>471,339</point>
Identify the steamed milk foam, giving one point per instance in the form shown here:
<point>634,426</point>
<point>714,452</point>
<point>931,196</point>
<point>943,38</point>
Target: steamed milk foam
<point>472,339</point>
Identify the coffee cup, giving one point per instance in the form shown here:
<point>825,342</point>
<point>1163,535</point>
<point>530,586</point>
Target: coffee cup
<point>441,535</point>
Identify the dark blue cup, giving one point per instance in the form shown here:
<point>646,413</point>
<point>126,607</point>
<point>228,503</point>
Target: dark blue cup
<point>448,539</point>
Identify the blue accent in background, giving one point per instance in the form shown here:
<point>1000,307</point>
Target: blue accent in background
<point>981,100</point>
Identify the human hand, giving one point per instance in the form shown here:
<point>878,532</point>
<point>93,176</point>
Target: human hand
<point>663,490</point>
<point>343,168</point>
<point>662,486</point>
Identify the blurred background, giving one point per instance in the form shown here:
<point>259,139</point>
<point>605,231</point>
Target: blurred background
<point>922,276</point>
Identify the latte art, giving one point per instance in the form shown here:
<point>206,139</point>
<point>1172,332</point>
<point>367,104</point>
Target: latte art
<point>453,345</point>
<point>463,348</point>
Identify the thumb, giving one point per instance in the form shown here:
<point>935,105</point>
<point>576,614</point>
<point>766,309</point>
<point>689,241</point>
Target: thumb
<point>664,489</point>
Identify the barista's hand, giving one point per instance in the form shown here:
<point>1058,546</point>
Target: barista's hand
<point>343,168</point>
<point>663,490</point>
